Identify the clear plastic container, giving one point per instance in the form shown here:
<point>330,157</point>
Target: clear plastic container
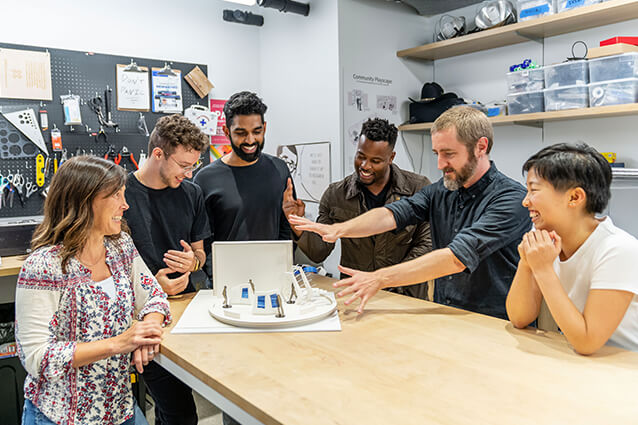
<point>525,80</point>
<point>614,67</point>
<point>525,103</point>
<point>532,9</point>
<point>563,5</point>
<point>566,74</point>
<point>614,92</point>
<point>570,97</point>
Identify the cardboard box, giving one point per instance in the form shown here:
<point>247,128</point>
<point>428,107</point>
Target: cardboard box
<point>199,82</point>
<point>614,49</point>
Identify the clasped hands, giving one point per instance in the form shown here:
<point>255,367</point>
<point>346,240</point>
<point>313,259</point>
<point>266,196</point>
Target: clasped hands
<point>539,248</point>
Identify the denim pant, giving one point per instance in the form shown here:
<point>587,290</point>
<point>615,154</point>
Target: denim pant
<point>31,415</point>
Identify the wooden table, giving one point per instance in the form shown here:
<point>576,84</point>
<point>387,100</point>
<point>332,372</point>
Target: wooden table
<point>405,361</point>
<point>11,265</point>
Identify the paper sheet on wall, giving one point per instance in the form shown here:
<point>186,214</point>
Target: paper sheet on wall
<point>368,94</point>
<point>197,320</point>
<point>133,92</point>
<point>309,166</point>
<point>25,74</point>
<point>167,91</point>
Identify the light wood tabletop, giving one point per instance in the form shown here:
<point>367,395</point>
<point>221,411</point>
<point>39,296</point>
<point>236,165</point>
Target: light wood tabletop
<point>11,265</point>
<point>408,361</point>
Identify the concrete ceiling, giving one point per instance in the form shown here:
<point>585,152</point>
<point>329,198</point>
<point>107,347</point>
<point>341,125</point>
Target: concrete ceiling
<point>436,7</point>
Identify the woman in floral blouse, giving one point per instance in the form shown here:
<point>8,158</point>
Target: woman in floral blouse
<point>85,301</point>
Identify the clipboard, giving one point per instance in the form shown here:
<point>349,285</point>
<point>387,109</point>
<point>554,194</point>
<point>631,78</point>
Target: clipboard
<point>133,88</point>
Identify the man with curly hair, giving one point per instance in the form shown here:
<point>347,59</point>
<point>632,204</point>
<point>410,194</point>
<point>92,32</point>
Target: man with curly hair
<point>168,225</point>
<point>376,181</point>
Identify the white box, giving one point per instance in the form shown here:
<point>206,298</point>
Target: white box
<point>615,92</point>
<point>566,74</point>
<point>532,9</point>
<point>525,80</point>
<point>614,67</point>
<point>570,97</point>
<point>525,103</point>
<point>564,5</point>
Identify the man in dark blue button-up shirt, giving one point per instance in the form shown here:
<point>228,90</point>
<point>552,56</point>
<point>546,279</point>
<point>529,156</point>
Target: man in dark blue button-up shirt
<point>476,220</point>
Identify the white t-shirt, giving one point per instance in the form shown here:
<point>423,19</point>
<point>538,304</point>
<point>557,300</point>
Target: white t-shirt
<point>607,260</point>
<point>107,285</point>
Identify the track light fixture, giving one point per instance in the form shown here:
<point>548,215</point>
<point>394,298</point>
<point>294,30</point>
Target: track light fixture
<point>286,6</point>
<point>242,17</point>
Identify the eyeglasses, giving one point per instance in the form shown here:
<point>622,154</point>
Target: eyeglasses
<point>188,169</point>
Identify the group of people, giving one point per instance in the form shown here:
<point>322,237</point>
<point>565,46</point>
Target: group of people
<point>92,296</point>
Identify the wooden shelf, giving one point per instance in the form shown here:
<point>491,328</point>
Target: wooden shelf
<point>537,119</point>
<point>577,19</point>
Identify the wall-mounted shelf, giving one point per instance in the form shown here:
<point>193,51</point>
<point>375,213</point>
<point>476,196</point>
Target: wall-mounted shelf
<point>577,19</point>
<point>537,119</point>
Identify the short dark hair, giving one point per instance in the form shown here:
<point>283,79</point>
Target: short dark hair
<point>244,103</point>
<point>174,130</point>
<point>379,130</point>
<point>566,166</point>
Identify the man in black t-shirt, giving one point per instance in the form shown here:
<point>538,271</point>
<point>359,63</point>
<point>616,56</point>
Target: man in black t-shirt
<point>168,225</point>
<point>243,190</point>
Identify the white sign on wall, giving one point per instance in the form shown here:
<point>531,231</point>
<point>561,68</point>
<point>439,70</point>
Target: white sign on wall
<point>366,96</point>
<point>309,165</point>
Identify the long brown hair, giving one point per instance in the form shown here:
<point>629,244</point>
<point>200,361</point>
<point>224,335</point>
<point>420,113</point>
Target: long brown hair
<point>68,209</point>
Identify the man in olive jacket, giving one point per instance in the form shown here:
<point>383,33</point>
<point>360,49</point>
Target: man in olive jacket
<point>375,182</point>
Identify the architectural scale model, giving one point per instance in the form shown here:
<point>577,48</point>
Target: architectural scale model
<point>282,304</point>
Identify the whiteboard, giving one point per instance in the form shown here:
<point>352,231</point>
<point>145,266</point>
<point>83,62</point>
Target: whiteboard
<point>309,166</point>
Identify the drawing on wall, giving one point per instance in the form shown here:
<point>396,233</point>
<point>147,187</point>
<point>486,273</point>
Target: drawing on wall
<point>358,99</point>
<point>309,166</point>
<point>387,103</point>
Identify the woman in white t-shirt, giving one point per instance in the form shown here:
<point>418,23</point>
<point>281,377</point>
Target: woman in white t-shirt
<point>584,267</point>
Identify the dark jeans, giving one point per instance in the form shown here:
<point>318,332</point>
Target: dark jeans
<point>174,403</point>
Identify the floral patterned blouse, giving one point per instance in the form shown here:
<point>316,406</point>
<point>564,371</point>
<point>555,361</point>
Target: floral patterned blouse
<point>55,311</point>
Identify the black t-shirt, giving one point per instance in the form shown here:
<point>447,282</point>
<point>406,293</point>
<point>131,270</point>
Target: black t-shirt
<point>158,219</point>
<point>375,201</point>
<point>244,203</point>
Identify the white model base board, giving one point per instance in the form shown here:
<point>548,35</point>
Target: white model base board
<point>294,314</point>
<point>197,319</point>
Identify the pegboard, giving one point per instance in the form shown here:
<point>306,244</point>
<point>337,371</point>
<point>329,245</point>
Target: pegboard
<point>84,74</point>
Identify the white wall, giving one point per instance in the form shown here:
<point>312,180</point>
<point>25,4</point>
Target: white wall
<point>370,33</point>
<point>160,29</point>
<point>300,85</point>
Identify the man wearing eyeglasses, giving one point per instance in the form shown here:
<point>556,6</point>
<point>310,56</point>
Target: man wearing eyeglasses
<point>168,224</point>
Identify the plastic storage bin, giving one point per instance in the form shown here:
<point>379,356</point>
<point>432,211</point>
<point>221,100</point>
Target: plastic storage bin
<point>564,5</point>
<point>525,80</point>
<point>614,67</point>
<point>532,9</point>
<point>566,74</point>
<point>525,103</point>
<point>570,97</point>
<point>613,92</point>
